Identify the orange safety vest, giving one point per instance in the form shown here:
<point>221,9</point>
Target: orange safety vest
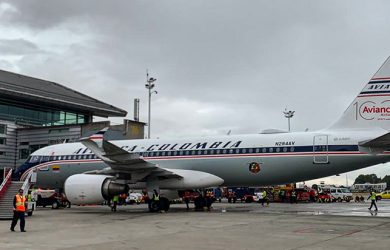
<point>20,203</point>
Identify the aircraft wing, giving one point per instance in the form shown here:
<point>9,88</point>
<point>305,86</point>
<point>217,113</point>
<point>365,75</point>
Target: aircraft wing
<point>379,142</point>
<point>121,161</point>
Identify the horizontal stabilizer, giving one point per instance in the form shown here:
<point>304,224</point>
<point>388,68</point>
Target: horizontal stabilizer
<point>382,141</point>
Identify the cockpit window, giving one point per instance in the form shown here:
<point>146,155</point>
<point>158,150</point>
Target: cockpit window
<point>35,159</point>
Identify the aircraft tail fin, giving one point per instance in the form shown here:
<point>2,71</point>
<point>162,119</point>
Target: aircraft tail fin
<point>371,108</point>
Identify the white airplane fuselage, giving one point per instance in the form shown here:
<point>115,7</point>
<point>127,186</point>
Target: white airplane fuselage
<point>273,158</point>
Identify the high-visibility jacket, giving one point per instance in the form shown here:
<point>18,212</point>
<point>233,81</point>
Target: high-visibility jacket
<point>156,197</point>
<point>373,196</point>
<point>116,198</point>
<point>20,204</point>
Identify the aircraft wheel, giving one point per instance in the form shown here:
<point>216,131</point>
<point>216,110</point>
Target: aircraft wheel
<point>165,204</point>
<point>153,206</point>
<point>55,205</point>
<point>199,203</point>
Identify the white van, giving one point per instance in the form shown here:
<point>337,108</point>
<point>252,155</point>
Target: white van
<point>340,194</point>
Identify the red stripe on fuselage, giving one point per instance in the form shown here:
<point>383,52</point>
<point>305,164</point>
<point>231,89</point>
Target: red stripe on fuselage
<point>369,95</point>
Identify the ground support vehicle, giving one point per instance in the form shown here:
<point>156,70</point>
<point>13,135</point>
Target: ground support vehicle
<point>341,194</point>
<point>324,197</point>
<point>51,198</point>
<point>383,195</point>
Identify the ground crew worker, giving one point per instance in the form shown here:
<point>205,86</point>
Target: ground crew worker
<point>187,199</point>
<point>282,194</point>
<point>293,197</point>
<point>208,200</point>
<point>115,201</point>
<point>265,198</point>
<point>29,198</point>
<point>156,199</point>
<point>372,197</point>
<point>19,210</point>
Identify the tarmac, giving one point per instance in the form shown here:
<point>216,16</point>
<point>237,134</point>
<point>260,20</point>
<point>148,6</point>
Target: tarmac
<point>226,226</point>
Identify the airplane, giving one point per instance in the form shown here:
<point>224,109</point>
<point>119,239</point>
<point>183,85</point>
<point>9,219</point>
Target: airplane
<point>96,169</point>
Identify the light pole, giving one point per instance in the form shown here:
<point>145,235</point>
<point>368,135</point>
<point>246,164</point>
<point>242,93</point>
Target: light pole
<point>288,115</point>
<point>150,85</point>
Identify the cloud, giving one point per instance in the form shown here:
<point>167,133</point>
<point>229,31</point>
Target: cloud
<point>17,47</point>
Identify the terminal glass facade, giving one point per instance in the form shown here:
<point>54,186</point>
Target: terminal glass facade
<point>41,117</point>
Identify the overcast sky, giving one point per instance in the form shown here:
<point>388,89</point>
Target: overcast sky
<point>220,65</point>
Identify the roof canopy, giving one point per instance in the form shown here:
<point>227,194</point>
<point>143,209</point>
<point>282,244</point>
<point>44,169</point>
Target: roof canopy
<point>35,91</point>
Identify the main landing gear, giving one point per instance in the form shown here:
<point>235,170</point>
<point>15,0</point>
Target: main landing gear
<point>162,204</point>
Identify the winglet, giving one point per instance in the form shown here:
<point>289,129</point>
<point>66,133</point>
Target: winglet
<point>98,137</point>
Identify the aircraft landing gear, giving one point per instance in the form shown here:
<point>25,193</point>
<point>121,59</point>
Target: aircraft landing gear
<point>199,203</point>
<point>161,205</point>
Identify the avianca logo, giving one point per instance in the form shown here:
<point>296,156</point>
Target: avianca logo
<point>376,110</point>
<point>370,110</point>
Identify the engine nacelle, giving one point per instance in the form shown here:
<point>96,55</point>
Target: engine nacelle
<point>85,189</point>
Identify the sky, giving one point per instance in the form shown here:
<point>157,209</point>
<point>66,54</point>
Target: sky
<point>220,65</point>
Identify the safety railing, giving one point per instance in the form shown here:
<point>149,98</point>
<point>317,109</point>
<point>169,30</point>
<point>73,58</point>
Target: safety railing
<point>4,185</point>
<point>26,184</point>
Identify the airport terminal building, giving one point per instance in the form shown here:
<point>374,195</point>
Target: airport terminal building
<point>35,113</point>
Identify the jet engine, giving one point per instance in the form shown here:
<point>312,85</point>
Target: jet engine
<point>92,189</point>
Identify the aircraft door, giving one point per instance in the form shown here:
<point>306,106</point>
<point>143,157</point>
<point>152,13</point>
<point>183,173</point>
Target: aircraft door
<point>320,149</point>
